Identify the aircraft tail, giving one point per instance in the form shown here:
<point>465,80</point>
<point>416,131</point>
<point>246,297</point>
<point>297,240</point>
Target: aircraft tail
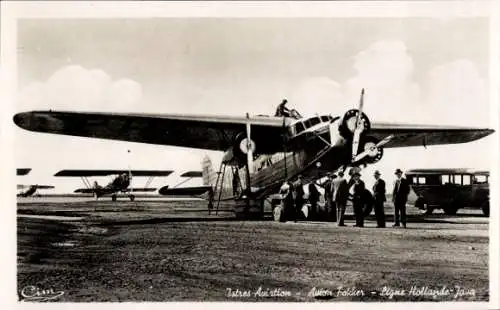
<point>208,174</point>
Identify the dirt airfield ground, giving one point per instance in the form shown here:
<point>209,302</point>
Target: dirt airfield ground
<point>174,251</point>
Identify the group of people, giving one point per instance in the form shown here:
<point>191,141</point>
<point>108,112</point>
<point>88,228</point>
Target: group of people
<point>338,191</point>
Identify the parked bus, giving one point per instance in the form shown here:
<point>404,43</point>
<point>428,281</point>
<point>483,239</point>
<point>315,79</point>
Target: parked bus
<point>450,189</point>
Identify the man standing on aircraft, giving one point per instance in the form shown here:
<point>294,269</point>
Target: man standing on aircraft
<point>399,198</point>
<point>298,189</point>
<point>379,199</point>
<point>282,110</point>
<point>340,195</point>
<point>357,190</point>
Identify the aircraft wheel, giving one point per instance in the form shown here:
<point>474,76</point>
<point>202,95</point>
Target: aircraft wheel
<point>486,208</point>
<point>278,213</point>
<point>113,197</point>
<point>132,197</point>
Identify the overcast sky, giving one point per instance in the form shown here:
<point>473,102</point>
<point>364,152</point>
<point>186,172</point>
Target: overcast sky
<point>415,70</point>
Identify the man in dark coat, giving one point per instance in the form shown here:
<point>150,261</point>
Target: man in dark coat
<point>340,196</point>
<point>399,198</point>
<point>329,199</point>
<point>357,190</point>
<point>379,199</point>
<point>298,190</point>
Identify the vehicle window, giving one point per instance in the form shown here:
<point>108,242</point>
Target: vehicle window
<point>421,180</point>
<point>324,119</point>
<point>432,179</point>
<point>307,123</point>
<point>466,179</point>
<point>480,179</point>
<point>299,127</point>
<point>315,121</point>
<point>445,179</point>
<point>457,179</point>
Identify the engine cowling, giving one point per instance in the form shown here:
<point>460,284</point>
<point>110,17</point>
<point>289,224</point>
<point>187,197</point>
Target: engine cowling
<point>237,154</point>
<point>373,152</point>
<point>347,123</point>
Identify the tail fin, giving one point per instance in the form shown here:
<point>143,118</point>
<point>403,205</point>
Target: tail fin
<point>208,174</point>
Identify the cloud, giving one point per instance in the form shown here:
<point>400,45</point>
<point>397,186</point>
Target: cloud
<point>451,93</point>
<point>74,87</point>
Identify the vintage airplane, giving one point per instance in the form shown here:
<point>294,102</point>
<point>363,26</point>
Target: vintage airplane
<point>286,146</point>
<point>29,190</point>
<point>119,184</point>
<point>193,191</point>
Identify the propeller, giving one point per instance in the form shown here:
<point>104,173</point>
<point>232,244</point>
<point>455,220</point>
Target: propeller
<point>249,146</point>
<point>359,127</point>
<point>372,149</point>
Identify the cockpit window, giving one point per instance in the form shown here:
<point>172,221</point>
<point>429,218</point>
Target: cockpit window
<point>325,119</point>
<point>299,127</point>
<point>315,121</point>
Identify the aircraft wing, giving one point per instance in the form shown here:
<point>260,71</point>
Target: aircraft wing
<point>23,171</point>
<point>92,190</point>
<point>204,132</point>
<point>418,135</point>
<point>184,191</point>
<point>94,173</point>
<point>21,186</point>
<point>192,174</point>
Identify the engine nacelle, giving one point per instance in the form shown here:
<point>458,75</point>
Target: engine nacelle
<point>373,152</point>
<point>347,123</point>
<point>237,154</point>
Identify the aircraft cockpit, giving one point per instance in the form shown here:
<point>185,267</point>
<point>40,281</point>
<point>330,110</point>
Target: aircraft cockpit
<point>307,124</point>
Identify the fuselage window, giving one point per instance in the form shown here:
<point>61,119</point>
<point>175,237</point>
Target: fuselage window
<point>299,127</point>
<point>315,121</point>
<point>421,180</point>
<point>325,119</point>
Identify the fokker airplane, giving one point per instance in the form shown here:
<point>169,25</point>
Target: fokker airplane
<point>186,191</point>
<point>31,190</point>
<point>119,184</point>
<point>285,146</point>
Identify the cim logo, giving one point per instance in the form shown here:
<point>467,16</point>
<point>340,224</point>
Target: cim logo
<point>34,293</point>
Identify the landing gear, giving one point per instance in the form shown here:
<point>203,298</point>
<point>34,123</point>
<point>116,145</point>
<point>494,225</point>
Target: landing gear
<point>132,197</point>
<point>113,197</point>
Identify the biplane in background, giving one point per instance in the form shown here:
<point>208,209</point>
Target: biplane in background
<point>120,182</point>
<point>191,191</point>
<point>450,189</point>
<point>283,146</point>
<point>29,190</point>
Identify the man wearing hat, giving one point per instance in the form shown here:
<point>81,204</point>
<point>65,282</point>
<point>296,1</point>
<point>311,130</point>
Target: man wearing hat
<point>399,198</point>
<point>357,190</point>
<point>340,196</point>
<point>379,197</point>
<point>329,199</point>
